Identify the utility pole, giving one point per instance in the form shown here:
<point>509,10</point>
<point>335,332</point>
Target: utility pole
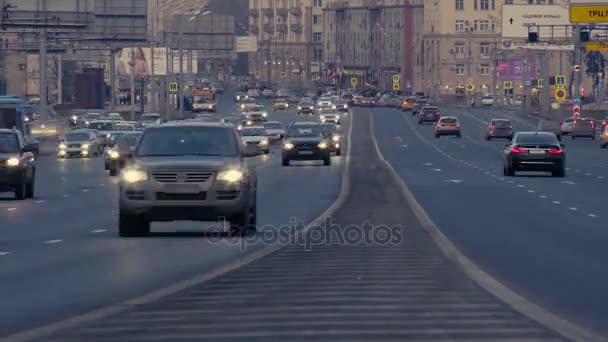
<point>469,58</point>
<point>44,89</point>
<point>60,79</point>
<point>180,80</point>
<point>526,78</point>
<point>132,65</point>
<point>577,60</point>
<point>112,78</point>
<point>268,71</point>
<point>494,71</point>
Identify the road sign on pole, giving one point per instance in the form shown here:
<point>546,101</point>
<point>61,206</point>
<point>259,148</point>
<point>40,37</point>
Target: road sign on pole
<point>560,80</point>
<point>517,18</point>
<point>576,68</point>
<point>576,111</point>
<point>576,100</point>
<point>396,86</point>
<point>353,81</point>
<point>283,74</point>
<point>470,87</point>
<point>588,11</point>
<point>560,94</point>
<point>469,80</point>
<point>173,87</point>
<point>507,85</point>
<point>257,74</point>
<point>396,78</point>
<point>540,83</point>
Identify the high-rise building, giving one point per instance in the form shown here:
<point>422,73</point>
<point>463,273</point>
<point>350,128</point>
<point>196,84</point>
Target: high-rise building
<point>290,39</point>
<point>369,41</point>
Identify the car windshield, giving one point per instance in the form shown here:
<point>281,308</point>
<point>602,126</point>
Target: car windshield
<point>501,123</point>
<point>583,123</point>
<point>101,126</point>
<point>535,139</point>
<point>9,143</point>
<point>114,137</point>
<point>77,136</point>
<point>150,117</point>
<point>331,129</point>
<point>449,120</point>
<point>132,139</point>
<point>124,128</point>
<point>248,132</point>
<point>273,125</point>
<point>305,131</point>
<point>188,140</point>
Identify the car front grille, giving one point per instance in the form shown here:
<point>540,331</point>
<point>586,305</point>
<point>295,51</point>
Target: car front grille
<point>135,195</point>
<point>73,145</point>
<point>227,195</point>
<point>163,196</point>
<point>181,177</point>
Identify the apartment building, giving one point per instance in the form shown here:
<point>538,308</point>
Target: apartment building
<point>370,40</point>
<point>290,39</point>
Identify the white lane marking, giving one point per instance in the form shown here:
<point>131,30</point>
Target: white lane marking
<point>85,190</point>
<point>542,196</point>
<point>494,176</point>
<point>567,168</point>
<point>97,231</point>
<point>501,178</point>
<point>556,202</point>
<point>577,170</point>
<point>531,191</point>
<point>11,209</point>
<point>568,182</point>
<point>573,208</point>
<point>40,201</point>
<point>427,164</point>
<point>50,242</point>
<point>592,215</point>
<point>600,177</point>
<point>437,170</point>
<point>462,146</point>
<point>454,180</point>
<point>487,173</point>
<point>64,196</point>
<point>510,182</point>
<point>4,253</point>
<point>398,138</point>
<point>521,186</point>
<point>404,145</point>
<point>587,174</point>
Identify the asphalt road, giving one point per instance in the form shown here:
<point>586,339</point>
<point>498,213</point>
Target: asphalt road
<point>543,237</point>
<point>60,254</point>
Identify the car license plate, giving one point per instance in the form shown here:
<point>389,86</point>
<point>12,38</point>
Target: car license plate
<point>537,151</point>
<point>305,152</point>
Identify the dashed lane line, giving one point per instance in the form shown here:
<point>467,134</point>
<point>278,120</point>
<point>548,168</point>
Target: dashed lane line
<point>4,253</point>
<point>573,208</point>
<point>11,209</point>
<point>40,201</point>
<point>50,242</point>
<point>592,215</point>
<point>97,231</point>
<point>556,202</point>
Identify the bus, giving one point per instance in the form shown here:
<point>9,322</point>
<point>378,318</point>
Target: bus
<point>203,100</point>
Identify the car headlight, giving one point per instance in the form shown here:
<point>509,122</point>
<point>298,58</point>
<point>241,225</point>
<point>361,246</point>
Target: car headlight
<point>26,119</point>
<point>230,176</point>
<point>288,146</point>
<point>322,119</point>
<point>134,175</point>
<point>13,162</point>
<point>345,106</point>
<point>240,127</point>
<point>322,145</point>
<point>242,106</point>
<point>85,146</point>
<point>62,146</point>
<point>264,114</point>
<point>113,154</point>
<point>249,123</point>
<point>336,138</point>
<point>287,105</point>
<point>299,107</point>
<point>264,142</point>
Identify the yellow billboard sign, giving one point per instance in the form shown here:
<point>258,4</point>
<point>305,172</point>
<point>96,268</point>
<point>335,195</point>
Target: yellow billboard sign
<point>597,46</point>
<point>589,14</point>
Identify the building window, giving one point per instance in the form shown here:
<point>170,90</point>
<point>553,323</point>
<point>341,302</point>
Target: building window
<point>540,2</point>
<point>459,49</point>
<point>475,4</point>
<point>484,4</point>
<point>459,68</point>
<point>484,25</point>
<point>493,5</point>
<point>317,37</point>
<point>484,50</point>
<point>318,3</point>
<point>459,5</point>
<point>318,54</point>
<point>508,2</point>
<point>459,25</point>
<point>484,69</point>
<point>316,19</point>
<point>530,2</point>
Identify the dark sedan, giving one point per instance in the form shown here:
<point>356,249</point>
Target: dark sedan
<point>306,141</point>
<point>499,128</point>
<point>534,151</point>
<point>428,114</point>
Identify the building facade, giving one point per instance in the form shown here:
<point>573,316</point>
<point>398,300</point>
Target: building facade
<point>368,40</point>
<point>290,40</point>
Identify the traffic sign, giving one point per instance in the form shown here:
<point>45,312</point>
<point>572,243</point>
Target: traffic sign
<point>528,82</point>
<point>507,84</point>
<point>470,87</point>
<point>560,94</point>
<point>396,78</point>
<point>582,12</point>
<point>396,86</point>
<point>353,81</point>
<point>560,80</point>
<point>576,100</point>
<point>540,83</point>
<point>469,80</point>
<point>173,87</point>
<point>576,68</point>
<point>576,110</point>
<point>257,74</point>
<point>516,19</point>
<point>596,46</point>
<point>283,74</point>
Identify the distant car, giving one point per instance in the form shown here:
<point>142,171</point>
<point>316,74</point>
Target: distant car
<point>196,173</point>
<point>151,119</point>
<point>275,130</point>
<point>79,143</point>
<point>408,103</point>
<point>17,165</point>
<point>550,127</point>
<point>120,151</point>
<point>280,103</point>
<point>499,128</point>
<point>566,126</point>
<point>604,138</point>
<point>325,103</point>
<point>357,100</point>
<point>428,114</point>
<point>253,93</point>
<point>582,127</point>
<point>267,93</point>
<point>329,116</point>
<point>115,117</point>
<point>368,101</point>
<point>124,127</point>
<point>420,102</point>
<point>249,104</point>
<point>256,135</point>
<point>534,151</point>
<point>334,136</point>
<point>257,117</point>
<point>306,141</point>
<point>218,88</point>
<point>240,96</point>
<point>447,125</point>
<point>341,106</point>
<point>487,100</point>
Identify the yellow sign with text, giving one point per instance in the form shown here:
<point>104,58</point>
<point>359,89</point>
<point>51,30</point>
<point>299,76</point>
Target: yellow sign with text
<point>353,81</point>
<point>597,46</point>
<point>589,14</point>
<point>396,86</point>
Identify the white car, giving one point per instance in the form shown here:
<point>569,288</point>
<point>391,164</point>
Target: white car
<point>329,116</point>
<point>256,135</point>
<point>267,93</point>
<point>567,126</point>
<point>487,100</point>
<point>275,130</point>
<point>115,117</point>
<point>151,119</point>
<point>253,93</point>
<point>325,103</point>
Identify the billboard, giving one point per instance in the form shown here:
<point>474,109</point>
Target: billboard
<point>247,44</point>
<point>143,61</point>
<point>513,69</point>
<point>517,18</point>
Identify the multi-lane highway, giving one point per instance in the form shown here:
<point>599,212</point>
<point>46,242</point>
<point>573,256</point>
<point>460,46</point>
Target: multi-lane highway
<point>60,253</point>
<point>541,237</point>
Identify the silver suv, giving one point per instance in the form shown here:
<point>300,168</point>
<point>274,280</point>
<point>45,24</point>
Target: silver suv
<point>192,171</point>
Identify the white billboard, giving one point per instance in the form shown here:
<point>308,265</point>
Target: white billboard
<point>517,18</point>
<point>144,60</point>
<point>508,44</point>
<point>246,44</point>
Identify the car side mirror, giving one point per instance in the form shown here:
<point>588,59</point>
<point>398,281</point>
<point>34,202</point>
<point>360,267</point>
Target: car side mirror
<point>562,145</point>
<point>29,148</point>
<point>249,151</point>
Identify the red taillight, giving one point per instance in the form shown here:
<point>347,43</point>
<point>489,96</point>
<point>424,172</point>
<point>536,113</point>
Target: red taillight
<point>457,125</point>
<point>517,150</point>
<point>556,151</point>
<point>510,127</point>
<point>592,124</point>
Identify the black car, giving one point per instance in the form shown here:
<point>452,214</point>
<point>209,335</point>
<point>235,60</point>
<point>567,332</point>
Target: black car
<point>17,165</point>
<point>534,151</point>
<point>334,136</point>
<point>306,141</point>
<point>428,114</point>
